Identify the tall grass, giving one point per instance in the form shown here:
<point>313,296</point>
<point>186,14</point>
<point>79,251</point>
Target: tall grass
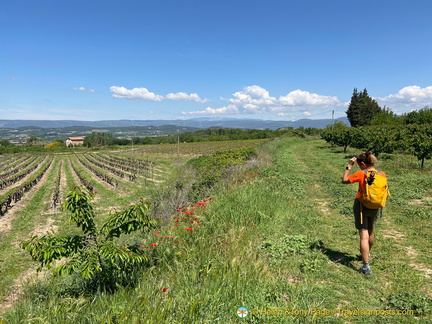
<point>277,239</point>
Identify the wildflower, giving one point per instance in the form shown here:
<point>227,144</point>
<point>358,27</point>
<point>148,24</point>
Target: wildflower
<point>122,246</point>
<point>176,218</point>
<point>164,289</point>
<point>189,229</point>
<point>191,222</point>
<point>142,246</point>
<point>153,244</point>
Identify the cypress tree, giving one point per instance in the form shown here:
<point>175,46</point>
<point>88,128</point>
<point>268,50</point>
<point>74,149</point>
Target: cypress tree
<point>362,109</point>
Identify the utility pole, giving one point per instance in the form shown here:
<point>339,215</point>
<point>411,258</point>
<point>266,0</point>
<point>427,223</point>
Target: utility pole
<point>332,119</point>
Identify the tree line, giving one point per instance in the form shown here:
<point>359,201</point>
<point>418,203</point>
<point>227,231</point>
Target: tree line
<point>104,139</point>
<point>380,130</point>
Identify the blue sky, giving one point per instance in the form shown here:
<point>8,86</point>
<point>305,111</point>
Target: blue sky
<point>175,59</point>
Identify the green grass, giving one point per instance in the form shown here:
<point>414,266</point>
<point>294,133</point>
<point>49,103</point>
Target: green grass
<point>283,240</point>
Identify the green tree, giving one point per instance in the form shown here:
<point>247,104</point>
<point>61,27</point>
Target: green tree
<point>423,116</point>
<point>96,139</point>
<point>377,139</point>
<point>4,142</point>
<point>362,109</point>
<point>386,117</point>
<point>421,142</point>
<point>33,140</point>
<point>94,254</point>
<point>340,134</point>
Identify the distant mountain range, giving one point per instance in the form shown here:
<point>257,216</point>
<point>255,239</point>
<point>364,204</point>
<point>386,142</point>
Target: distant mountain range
<point>196,122</point>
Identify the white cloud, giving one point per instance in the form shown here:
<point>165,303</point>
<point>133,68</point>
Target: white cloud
<point>135,93</point>
<point>413,97</point>
<point>230,109</point>
<point>252,97</point>
<point>183,96</point>
<point>83,89</point>
<point>144,94</point>
<point>257,100</point>
<point>304,98</point>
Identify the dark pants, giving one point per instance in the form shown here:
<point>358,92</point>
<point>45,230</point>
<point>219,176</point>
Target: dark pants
<point>369,216</point>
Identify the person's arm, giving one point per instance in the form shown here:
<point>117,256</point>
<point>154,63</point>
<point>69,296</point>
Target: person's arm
<point>345,176</point>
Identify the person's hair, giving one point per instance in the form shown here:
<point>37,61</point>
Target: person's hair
<point>367,157</point>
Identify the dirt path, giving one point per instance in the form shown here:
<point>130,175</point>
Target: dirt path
<point>6,225</point>
<point>306,158</point>
<point>30,275</point>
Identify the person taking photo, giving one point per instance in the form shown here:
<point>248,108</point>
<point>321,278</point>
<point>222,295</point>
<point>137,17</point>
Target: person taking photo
<point>365,218</point>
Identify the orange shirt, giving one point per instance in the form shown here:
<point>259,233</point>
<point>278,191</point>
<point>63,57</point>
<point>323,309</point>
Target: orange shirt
<point>360,177</point>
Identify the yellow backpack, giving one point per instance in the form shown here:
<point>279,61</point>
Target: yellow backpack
<point>376,191</point>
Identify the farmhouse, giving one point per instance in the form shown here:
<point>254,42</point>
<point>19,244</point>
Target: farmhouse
<point>74,141</point>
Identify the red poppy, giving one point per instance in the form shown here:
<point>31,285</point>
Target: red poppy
<point>189,229</point>
<point>153,244</point>
<point>164,289</point>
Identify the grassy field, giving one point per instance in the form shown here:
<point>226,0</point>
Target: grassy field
<point>276,238</point>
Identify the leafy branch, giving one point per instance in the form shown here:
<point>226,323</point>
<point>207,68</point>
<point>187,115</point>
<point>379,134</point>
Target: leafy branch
<point>93,255</point>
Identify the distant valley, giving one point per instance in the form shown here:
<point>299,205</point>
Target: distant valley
<point>17,131</point>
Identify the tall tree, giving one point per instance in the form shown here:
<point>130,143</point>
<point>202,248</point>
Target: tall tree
<point>362,109</point>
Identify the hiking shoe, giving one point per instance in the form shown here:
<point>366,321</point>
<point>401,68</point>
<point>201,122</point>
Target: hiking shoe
<point>365,270</point>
